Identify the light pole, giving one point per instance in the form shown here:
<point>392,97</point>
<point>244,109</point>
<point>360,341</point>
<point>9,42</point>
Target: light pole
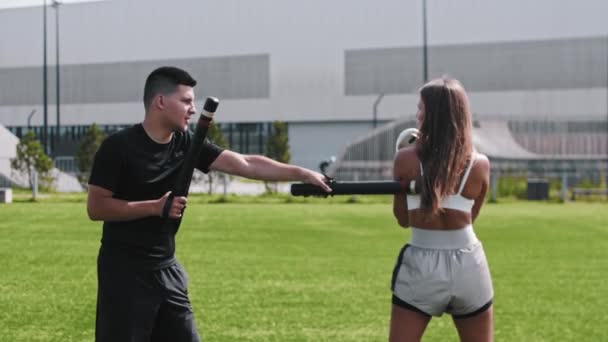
<point>45,132</point>
<point>56,4</point>
<point>425,62</point>
<point>29,119</point>
<point>375,109</point>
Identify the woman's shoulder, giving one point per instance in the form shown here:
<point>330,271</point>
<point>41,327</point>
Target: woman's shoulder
<point>406,155</point>
<point>481,165</point>
<point>406,163</point>
<point>482,160</point>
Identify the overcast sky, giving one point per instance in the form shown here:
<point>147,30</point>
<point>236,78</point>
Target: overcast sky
<point>29,3</point>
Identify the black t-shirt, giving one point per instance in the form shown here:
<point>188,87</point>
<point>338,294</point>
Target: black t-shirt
<point>135,168</point>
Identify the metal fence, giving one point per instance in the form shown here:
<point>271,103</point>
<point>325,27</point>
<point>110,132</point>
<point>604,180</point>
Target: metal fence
<point>570,152</point>
<point>66,164</point>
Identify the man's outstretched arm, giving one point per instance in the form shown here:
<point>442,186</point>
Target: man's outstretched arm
<point>265,169</point>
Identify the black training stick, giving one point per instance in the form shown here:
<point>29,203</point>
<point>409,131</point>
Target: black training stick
<point>182,184</point>
<point>351,188</point>
<point>407,138</point>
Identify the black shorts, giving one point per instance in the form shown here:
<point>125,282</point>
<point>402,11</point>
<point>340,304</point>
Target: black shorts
<point>143,305</point>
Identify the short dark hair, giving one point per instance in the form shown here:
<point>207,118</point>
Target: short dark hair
<point>165,80</point>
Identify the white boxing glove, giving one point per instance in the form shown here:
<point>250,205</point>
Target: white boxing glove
<point>406,138</point>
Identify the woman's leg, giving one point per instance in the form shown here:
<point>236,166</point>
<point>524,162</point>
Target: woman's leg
<point>407,325</point>
<point>479,328</point>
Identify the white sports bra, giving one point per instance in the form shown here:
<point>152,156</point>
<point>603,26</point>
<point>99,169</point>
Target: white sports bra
<point>454,202</point>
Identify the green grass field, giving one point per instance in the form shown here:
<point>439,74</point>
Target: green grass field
<point>309,272</point>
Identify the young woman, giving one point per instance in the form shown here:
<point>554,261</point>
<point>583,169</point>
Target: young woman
<point>443,269</point>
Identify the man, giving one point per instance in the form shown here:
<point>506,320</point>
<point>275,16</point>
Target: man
<point>142,289</point>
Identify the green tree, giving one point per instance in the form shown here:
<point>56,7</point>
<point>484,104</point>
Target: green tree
<point>31,157</point>
<point>87,149</point>
<point>277,147</point>
<point>215,135</point>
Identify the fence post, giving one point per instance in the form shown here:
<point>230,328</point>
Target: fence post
<point>35,184</point>
<point>493,185</point>
<point>225,181</point>
<point>564,192</point>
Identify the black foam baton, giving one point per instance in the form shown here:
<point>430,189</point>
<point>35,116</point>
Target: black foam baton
<point>406,138</point>
<point>184,178</point>
<point>353,188</point>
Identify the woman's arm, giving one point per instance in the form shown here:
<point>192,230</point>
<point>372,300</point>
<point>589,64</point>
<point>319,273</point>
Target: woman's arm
<point>482,170</point>
<point>402,173</point>
<point>400,209</point>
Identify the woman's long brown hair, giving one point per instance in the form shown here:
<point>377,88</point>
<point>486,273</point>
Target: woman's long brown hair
<point>445,141</point>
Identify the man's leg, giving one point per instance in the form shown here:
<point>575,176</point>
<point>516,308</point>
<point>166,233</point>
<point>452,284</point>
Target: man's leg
<point>127,305</point>
<point>175,320</point>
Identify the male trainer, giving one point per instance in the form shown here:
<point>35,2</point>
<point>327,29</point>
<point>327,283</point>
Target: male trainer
<point>142,290</point>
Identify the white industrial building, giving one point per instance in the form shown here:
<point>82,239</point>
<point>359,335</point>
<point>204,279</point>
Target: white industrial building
<point>318,65</point>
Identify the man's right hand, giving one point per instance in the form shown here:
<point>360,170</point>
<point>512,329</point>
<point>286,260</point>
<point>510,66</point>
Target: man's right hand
<point>176,208</point>
<point>316,178</point>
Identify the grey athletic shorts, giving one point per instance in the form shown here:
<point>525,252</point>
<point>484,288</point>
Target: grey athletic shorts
<point>443,271</point>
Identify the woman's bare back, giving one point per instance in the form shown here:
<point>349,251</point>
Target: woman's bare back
<point>407,168</point>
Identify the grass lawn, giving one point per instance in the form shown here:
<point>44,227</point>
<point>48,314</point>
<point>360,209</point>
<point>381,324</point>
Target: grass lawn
<point>309,271</point>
